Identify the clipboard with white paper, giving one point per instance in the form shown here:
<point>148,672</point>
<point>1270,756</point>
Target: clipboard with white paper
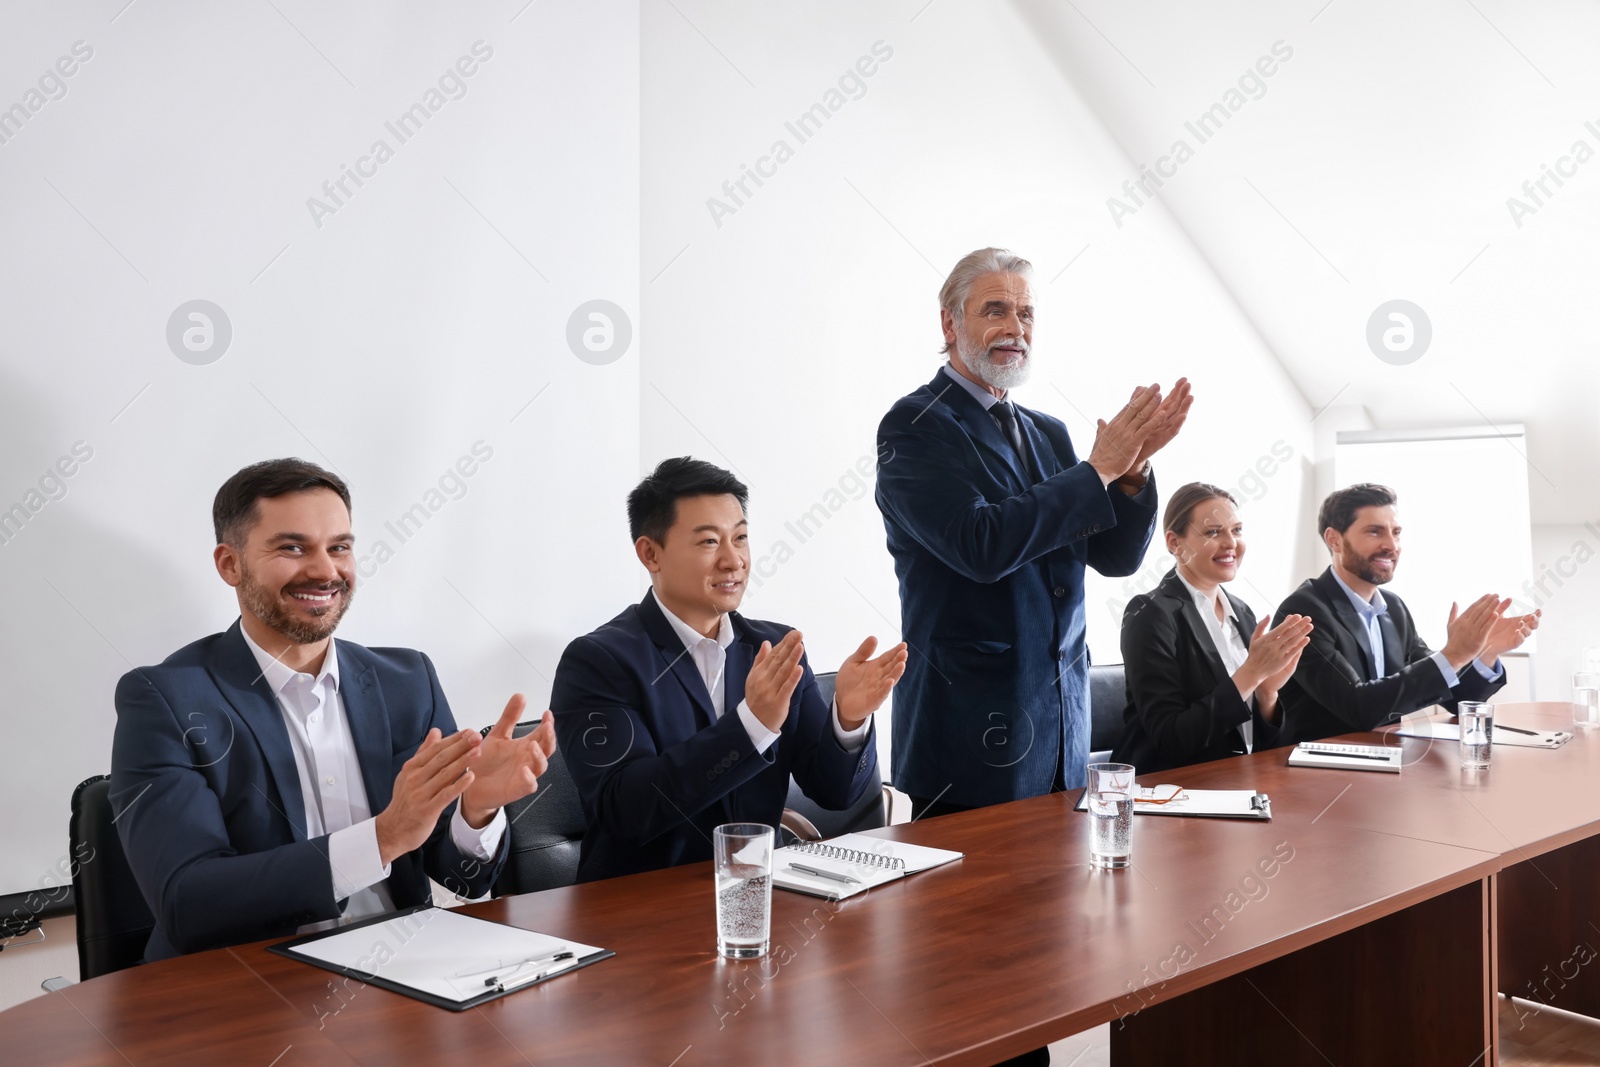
<point>1212,803</point>
<point>441,956</point>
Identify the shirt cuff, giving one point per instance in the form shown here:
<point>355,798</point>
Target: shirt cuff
<point>1450,676</point>
<point>1488,675</point>
<point>760,736</point>
<point>479,844</point>
<point>354,859</point>
<point>849,740</point>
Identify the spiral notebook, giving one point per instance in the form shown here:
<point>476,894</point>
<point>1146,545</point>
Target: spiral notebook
<point>1346,757</point>
<point>844,866</point>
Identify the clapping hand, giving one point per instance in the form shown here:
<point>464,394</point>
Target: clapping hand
<point>507,768</point>
<point>863,684</point>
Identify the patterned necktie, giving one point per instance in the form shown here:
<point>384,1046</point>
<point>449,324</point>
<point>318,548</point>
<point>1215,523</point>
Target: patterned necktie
<point>1007,418</point>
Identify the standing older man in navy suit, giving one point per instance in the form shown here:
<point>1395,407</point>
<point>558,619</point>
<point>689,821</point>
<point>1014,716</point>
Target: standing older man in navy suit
<point>268,779</point>
<point>991,519</point>
<point>680,714</point>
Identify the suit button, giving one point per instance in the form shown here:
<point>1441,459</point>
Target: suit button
<point>1061,654</point>
<point>1059,591</point>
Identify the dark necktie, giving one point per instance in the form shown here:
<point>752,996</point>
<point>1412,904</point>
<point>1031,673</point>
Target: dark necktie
<point>1007,418</point>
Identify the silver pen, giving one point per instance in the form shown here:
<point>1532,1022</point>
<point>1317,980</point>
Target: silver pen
<point>532,961</point>
<point>824,874</point>
<point>566,959</point>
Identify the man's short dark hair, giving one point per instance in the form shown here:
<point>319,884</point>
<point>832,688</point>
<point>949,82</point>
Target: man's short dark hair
<point>653,504</point>
<point>234,511</point>
<point>1338,512</point>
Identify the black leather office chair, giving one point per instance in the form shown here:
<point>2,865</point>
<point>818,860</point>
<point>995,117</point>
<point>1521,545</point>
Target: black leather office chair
<point>1108,698</point>
<point>113,922</point>
<point>546,830</point>
<point>809,821</point>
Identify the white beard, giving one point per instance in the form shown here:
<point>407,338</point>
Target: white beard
<point>1004,376</point>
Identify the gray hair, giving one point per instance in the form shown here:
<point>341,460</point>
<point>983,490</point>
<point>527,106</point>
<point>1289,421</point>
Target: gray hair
<point>972,266</point>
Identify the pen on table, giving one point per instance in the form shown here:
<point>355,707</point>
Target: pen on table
<point>1345,755</point>
<point>1515,730</point>
<point>823,874</point>
<point>554,957</point>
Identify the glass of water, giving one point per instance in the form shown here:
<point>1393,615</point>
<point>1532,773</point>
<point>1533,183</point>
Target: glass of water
<point>744,889</point>
<point>1586,697</point>
<point>1111,808</point>
<point>1477,732</point>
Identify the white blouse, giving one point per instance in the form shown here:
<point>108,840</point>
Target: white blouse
<point>1229,643</point>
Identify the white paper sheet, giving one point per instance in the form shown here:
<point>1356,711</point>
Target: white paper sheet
<point>442,952</point>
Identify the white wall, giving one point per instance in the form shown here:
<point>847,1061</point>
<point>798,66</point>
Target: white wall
<point>1566,587</point>
<point>781,332</point>
<point>385,343</point>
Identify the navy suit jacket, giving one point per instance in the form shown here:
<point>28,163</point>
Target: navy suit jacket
<point>208,801</point>
<point>991,564</point>
<point>657,771</point>
<point>1332,691</point>
<point>1182,707</point>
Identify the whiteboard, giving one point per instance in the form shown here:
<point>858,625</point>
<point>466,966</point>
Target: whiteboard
<point>1463,512</point>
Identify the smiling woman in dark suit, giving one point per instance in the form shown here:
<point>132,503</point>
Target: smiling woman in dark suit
<point>1202,675</point>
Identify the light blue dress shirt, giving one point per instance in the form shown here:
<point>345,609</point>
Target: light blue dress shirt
<point>1371,610</point>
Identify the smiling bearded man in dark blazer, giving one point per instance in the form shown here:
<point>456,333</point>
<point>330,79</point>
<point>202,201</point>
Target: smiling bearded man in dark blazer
<point>269,779</point>
<point>680,714</point>
<point>991,519</point>
<point>1366,664</point>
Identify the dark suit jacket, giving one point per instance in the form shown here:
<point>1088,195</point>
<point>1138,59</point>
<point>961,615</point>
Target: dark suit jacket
<point>1182,707</point>
<point>1330,692</point>
<point>210,810</point>
<point>657,771</point>
<point>990,562</point>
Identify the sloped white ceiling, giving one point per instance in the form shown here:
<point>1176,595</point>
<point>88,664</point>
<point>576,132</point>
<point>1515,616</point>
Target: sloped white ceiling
<point>1376,163</point>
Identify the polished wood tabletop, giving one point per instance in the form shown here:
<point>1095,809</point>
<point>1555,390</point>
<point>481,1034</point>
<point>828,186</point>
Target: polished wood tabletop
<point>1018,944</point>
<point>1527,801</point>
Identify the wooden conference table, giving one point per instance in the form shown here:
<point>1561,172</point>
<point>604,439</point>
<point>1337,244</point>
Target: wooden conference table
<point>1370,922</point>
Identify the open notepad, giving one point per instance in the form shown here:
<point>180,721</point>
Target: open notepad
<point>1216,803</point>
<point>851,864</point>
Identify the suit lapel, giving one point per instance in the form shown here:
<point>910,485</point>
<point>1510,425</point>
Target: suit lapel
<point>1246,628</point>
<point>1043,453</point>
<point>1173,587</point>
<point>1333,593</point>
<point>364,709</point>
<point>980,426</point>
<point>737,667</point>
<point>673,660</point>
<point>239,677</point>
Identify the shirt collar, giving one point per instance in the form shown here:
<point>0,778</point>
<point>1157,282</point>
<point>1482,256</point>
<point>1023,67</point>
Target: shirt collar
<point>1369,609</point>
<point>691,637</point>
<point>1204,602</point>
<point>979,393</point>
<point>279,675</point>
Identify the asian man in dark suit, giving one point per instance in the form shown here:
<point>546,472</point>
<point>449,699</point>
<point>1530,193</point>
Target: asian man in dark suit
<point>680,714</point>
<point>1202,675</point>
<point>991,519</point>
<point>268,779</point>
<point>1366,665</point>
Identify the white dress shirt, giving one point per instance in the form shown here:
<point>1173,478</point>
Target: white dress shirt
<point>711,656</point>
<point>334,791</point>
<point>1227,640</point>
